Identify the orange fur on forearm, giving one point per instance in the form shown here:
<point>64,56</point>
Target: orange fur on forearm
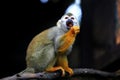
<point>68,40</point>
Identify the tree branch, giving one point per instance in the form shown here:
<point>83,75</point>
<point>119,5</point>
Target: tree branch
<point>54,75</point>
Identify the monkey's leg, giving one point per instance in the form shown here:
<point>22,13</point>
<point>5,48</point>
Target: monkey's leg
<point>53,69</point>
<point>63,62</point>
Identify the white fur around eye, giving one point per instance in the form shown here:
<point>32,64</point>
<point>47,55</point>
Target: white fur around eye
<point>72,18</point>
<point>65,17</point>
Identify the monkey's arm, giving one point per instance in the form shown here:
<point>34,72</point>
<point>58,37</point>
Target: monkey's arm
<point>65,42</point>
<point>67,39</point>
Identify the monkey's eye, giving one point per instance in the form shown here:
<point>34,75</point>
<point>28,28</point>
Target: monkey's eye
<point>72,18</point>
<point>66,17</point>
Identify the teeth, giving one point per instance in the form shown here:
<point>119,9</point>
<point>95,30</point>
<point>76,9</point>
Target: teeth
<point>70,25</point>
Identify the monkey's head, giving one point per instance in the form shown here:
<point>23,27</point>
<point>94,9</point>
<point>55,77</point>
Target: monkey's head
<point>67,21</point>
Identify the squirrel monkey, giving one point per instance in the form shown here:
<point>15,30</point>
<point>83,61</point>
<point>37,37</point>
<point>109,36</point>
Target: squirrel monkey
<point>52,46</point>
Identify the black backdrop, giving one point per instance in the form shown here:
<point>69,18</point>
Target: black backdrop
<point>22,20</point>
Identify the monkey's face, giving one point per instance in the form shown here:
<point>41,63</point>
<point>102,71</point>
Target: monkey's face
<point>68,21</point>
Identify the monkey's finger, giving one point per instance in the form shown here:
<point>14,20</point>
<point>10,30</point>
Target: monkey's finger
<point>76,29</point>
<point>63,72</point>
<point>53,69</point>
<point>70,71</point>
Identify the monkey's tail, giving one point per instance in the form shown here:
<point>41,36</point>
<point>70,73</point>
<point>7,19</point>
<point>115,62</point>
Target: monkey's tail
<point>27,70</point>
<point>22,73</point>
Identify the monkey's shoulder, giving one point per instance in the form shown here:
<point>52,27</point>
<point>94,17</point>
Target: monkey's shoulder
<point>50,31</point>
<point>47,34</point>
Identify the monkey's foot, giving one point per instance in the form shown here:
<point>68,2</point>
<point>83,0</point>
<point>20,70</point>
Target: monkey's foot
<point>69,70</point>
<point>53,69</point>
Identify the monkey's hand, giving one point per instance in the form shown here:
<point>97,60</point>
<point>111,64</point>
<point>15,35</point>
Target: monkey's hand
<point>75,29</point>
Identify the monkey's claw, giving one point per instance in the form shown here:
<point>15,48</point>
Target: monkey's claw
<point>63,72</point>
<point>53,69</point>
<point>69,70</point>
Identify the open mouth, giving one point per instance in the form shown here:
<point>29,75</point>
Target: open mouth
<point>69,23</point>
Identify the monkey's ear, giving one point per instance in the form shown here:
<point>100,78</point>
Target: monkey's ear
<point>58,23</point>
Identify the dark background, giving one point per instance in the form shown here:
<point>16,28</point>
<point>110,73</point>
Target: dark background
<point>94,47</point>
